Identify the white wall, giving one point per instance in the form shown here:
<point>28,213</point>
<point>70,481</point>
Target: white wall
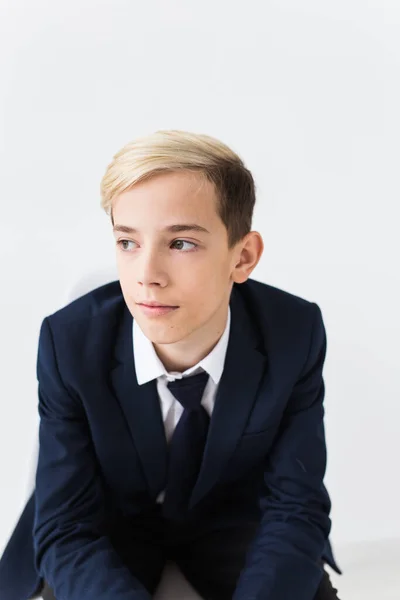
<point>308,93</point>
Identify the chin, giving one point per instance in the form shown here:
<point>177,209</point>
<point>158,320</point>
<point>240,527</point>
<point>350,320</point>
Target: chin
<point>159,337</point>
<point>159,334</point>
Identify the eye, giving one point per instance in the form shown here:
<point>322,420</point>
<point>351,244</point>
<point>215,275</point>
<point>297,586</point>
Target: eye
<point>122,242</point>
<point>179,244</point>
<point>184,242</point>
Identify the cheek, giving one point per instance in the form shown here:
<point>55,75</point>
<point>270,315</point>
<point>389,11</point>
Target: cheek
<point>204,287</point>
<point>210,274</point>
<point>124,274</point>
<point>204,296</point>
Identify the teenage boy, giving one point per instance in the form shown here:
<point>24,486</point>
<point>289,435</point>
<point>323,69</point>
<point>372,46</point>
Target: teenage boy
<point>181,406</point>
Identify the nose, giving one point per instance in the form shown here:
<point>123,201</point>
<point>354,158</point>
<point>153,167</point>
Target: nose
<point>150,270</point>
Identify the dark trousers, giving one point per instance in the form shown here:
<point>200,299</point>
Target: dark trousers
<point>211,557</point>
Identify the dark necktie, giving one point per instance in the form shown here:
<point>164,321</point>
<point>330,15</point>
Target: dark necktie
<point>186,447</point>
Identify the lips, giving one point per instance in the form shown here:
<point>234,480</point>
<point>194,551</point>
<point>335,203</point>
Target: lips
<point>157,311</point>
<point>156,305</point>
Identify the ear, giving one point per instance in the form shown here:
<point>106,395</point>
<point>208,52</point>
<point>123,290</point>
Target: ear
<point>247,256</point>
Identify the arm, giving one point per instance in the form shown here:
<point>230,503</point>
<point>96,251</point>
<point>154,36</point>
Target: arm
<point>282,562</point>
<point>72,550</point>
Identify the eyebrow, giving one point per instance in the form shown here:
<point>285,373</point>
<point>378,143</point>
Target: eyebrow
<point>171,228</point>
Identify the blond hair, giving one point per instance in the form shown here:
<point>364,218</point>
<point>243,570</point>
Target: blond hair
<point>174,150</point>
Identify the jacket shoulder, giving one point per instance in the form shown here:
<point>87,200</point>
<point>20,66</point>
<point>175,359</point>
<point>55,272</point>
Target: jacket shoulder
<point>277,313</point>
<point>105,300</point>
<point>262,293</point>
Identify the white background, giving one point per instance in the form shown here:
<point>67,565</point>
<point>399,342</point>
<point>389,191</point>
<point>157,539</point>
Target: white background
<point>308,93</point>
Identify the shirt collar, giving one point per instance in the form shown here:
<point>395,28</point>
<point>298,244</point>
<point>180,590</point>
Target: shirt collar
<point>148,366</point>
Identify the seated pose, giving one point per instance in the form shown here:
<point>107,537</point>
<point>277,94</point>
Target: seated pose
<point>181,406</point>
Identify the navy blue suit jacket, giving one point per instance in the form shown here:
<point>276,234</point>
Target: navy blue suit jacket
<point>103,451</point>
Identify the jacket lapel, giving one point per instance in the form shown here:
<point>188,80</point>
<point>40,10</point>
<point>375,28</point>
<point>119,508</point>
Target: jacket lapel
<point>141,406</point>
<point>243,370</point>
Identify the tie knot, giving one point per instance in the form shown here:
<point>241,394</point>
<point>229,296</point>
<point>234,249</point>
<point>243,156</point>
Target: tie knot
<point>189,390</point>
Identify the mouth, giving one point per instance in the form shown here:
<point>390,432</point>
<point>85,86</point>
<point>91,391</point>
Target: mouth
<point>151,304</point>
<point>156,309</point>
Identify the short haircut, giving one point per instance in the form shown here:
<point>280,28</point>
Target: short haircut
<point>175,150</point>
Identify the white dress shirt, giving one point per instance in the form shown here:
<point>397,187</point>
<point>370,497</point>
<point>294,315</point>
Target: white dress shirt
<point>148,367</point>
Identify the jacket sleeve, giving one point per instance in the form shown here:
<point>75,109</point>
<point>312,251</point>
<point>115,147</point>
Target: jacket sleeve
<point>283,561</point>
<point>72,550</point>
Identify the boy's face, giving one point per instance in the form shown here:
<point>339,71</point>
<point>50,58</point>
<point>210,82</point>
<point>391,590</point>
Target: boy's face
<point>190,270</point>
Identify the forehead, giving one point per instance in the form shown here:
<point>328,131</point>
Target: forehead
<point>184,192</point>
